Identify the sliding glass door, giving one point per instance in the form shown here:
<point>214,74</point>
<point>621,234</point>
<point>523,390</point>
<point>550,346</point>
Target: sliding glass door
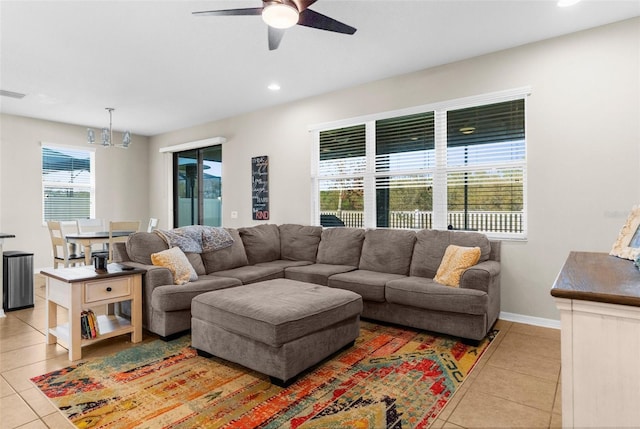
<point>197,189</point>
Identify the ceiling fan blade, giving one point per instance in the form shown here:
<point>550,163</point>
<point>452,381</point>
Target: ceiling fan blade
<point>228,12</point>
<point>303,4</point>
<point>310,18</point>
<point>275,36</point>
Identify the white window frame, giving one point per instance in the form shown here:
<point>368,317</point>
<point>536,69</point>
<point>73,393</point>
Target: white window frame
<point>441,170</point>
<point>91,186</point>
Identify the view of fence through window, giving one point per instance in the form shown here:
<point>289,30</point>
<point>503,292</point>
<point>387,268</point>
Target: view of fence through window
<point>469,174</point>
<point>476,221</point>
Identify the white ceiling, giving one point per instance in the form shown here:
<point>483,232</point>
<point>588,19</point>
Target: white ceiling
<point>164,69</point>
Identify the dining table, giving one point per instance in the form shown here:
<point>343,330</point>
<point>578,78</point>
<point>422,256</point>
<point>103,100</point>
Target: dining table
<point>87,239</point>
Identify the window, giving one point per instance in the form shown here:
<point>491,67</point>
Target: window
<point>404,166</point>
<point>68,183</point>
<point>485,167</point>
<point>459,165</point>
<point>341,171</point>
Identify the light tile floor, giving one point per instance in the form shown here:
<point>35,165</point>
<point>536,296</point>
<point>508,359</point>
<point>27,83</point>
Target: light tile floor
<point>515,384</point>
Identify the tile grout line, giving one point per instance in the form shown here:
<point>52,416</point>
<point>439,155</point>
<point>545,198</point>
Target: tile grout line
<point>504,327</point>
<point>473,380</point>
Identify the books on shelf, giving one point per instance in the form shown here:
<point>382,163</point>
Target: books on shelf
<point>89,325</point>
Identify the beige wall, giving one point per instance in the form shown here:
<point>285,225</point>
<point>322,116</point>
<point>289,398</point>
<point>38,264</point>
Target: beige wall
<point>583,154</point>
<point>122,181</point>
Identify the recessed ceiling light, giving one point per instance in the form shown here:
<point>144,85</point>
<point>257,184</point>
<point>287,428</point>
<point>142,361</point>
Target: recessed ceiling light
<point>566,3</point>
<point>274,87</point>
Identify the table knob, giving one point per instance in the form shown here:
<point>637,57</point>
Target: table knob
<point>109,289</point>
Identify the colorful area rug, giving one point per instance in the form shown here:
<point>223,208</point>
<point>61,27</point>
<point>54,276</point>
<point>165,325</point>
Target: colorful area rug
<point>392,378</point>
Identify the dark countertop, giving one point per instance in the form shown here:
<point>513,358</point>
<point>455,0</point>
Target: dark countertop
<point>599,277</point>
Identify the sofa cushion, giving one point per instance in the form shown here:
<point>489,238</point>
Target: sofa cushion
<point>140,246</point>
<point>252,273</point>
<point>456,259</point>
<point>176,261</point>
<point>225,259</point>
<point>316,273</point>
<point>299,242</point>
<point>368,284</point>
<point>284,264</point>
<point>340,246</point>
<point>277,311</point>
<point>196,262</point>
<point>431,245</point>
<point>387,251</point>
<point>424,293</point>
<point>171,298</point>
<point>261,243</point>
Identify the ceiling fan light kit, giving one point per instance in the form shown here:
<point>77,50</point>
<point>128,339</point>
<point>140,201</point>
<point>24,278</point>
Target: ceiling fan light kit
<point>280,15</point>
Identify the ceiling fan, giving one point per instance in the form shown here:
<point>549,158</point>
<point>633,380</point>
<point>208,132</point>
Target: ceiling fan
<point>282,14</point>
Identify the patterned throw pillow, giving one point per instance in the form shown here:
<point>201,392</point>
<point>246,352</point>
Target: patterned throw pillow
<point>456,259</point>
<point>176,261</point>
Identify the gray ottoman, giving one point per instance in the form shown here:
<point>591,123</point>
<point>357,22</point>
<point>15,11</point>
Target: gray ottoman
<point>277,327</point>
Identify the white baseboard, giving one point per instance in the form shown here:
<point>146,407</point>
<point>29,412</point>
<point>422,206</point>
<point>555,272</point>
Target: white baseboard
<point>530,320</point>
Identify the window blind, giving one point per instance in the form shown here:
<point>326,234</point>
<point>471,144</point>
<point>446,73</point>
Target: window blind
<point>343,151</point>
<point>403,164</point>
<point>459,164</point>
<point>405,143</point>
<point>341,174</point>
<point>485,167</point>
<point>67,183</point>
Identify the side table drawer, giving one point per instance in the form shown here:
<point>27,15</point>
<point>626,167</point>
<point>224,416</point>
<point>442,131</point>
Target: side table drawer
<point>108,289</point>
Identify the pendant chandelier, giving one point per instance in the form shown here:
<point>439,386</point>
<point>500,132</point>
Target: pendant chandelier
<point>107,134</point>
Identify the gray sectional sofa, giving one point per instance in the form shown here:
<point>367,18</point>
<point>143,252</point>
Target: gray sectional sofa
<point>391,269</point>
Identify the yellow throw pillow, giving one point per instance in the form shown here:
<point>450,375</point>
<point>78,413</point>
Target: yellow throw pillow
<point>456,259</point>
<point>176,261</point>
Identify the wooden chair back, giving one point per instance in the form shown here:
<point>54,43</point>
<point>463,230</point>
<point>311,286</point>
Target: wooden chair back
<point>93,225</point>
<point>61,251</point>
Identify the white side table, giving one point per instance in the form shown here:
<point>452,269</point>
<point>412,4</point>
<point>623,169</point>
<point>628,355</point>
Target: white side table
<point>82,288</point>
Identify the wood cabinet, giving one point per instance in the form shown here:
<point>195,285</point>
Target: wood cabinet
<point>599,301</point>
<point>82,288</point>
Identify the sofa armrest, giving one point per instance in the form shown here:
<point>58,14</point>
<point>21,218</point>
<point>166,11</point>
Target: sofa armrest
<point>154,276</point>
<point>120,252</point>
<point>483,276</point>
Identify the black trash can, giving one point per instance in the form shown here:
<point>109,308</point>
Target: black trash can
<point>17,282</point>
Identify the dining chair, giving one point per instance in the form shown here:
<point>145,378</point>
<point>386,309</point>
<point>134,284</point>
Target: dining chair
<point>121,226</point>
<point>62,253</point>
<point>153,224</point>
<point>93,225</point>
<point>70,227</point>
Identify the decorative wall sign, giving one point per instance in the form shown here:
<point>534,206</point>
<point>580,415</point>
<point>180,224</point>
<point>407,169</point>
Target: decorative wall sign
<point>627,245</point>
<point>260,187</point>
